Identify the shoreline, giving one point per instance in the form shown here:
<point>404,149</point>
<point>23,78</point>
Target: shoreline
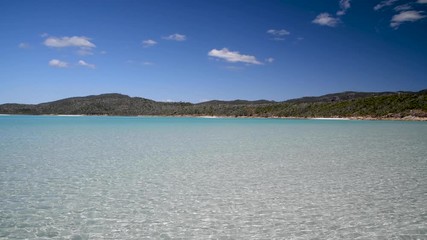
<point>360,118</point>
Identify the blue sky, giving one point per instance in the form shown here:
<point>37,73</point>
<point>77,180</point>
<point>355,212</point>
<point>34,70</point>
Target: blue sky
<point>202,50</point>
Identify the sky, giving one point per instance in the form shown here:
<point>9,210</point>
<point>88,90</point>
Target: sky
<point>194,51</point>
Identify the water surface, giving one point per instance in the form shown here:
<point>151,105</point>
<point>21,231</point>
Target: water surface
<point>191,178</point>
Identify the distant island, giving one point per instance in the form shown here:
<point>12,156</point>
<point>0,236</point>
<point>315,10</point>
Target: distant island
<point>355,105</point>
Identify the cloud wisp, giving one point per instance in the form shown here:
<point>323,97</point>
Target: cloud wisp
<point>384,3</point>
<point>325,19</point>
<point>23,45</point>
<point>344,6</point>
<point>147,63</point>
<point>176,37</point>
<point>85,64</point>
<point>83,43</point>
<point>269,60</point>
<point>233,57</point>
<point>402,7</point>
<point>406,12</point>
<point>58,63</point>
<point>75,41</point>
<point>278,34</point>
<point>406,16</point>
<point>84,52</point>
<point>148,43</point>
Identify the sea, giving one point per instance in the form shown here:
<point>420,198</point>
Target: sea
<point>98,177</point>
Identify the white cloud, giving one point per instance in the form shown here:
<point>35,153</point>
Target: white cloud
<point>384,3</point>
<point>233,57</point>
<point>176,37</point>
<point>422,1</point>
<point>24,45</point>
<point>403,7</point>
<point>103,52</point>
<point>278,34</point>
<point>324,19</point>
<point>82,42</point>
<point>406,16</point>
<point>344,6</point>
<point>148,43</point>
<point>281,32</point>
<point>57,63</point>
<point>269,60</point>
<point>146,63</point>
<point>85,64</point>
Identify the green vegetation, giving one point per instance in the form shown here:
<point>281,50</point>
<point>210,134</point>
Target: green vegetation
<point>347,104</point>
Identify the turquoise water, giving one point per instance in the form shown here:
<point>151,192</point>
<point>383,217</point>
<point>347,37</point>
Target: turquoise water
<point>190,178</point>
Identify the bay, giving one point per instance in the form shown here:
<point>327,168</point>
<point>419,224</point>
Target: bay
<point>84,177</point>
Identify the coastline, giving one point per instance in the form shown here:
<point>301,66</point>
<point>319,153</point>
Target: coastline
<point>362,118</point>
<point>335,118</point>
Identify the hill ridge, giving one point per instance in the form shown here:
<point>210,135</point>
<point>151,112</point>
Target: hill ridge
<point>399,104</point>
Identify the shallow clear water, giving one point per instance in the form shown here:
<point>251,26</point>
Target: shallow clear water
<point>189,178</point>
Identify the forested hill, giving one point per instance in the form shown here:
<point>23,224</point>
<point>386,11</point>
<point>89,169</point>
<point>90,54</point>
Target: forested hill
<point>345,104</point>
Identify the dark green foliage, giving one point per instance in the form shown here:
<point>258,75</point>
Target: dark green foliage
<point>347,104</point>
